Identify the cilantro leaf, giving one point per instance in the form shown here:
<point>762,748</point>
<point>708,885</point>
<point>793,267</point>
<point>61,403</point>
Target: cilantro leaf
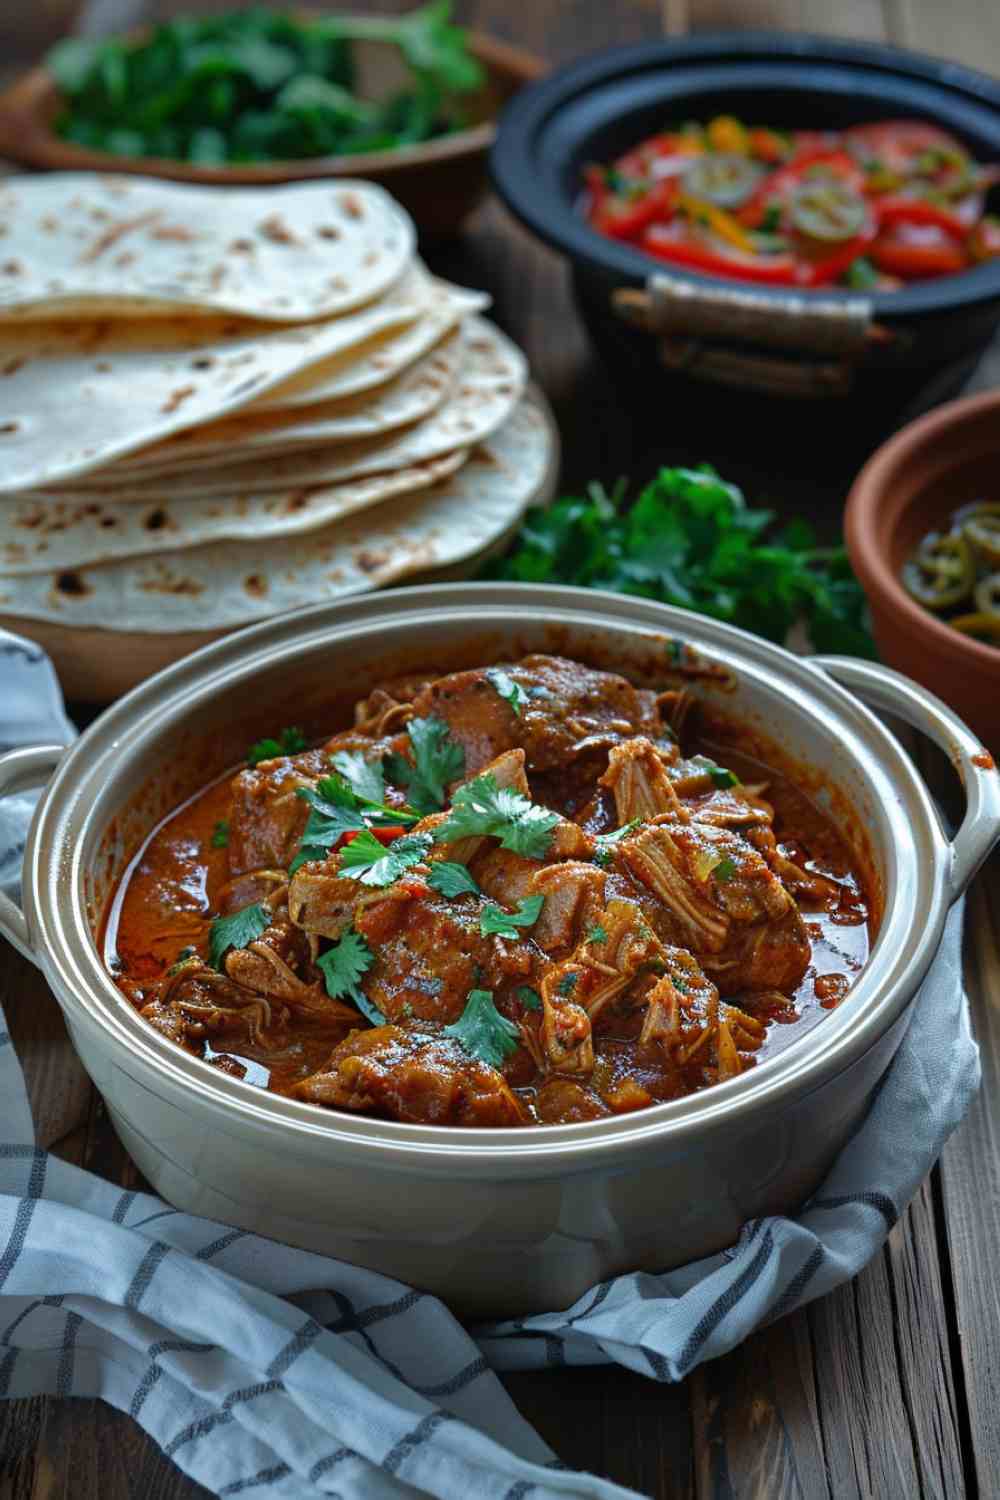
<point>220,835</point>
<point>364,777</point>
<point>512,692</point>
<point>483,1031</point>
<point>597,934</point>
<point>528,997</point>
<point>437,760</point>
<point>238,930</point>
<point>289,742</point>
<point>605,842</point>
<point>365,859</point>
<point>452,879</point>
<point>342,967</point>
<point>494,919</point>
<point>480,807</point>
<point>334,812</point>
<point>721,777</point>
<point>567,983</point>
<point>725,869</point>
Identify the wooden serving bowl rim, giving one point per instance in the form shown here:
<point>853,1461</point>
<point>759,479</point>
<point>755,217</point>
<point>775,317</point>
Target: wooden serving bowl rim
<point>27,137</point>
<point>915,444</point>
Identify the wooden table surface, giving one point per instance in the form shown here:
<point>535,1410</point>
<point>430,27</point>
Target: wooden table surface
<point>890,1387</point>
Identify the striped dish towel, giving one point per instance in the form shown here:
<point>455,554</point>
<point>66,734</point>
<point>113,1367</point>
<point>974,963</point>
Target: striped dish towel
<point>265,1370</point>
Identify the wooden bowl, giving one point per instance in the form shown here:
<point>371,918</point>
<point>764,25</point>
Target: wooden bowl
<point>438,182</point>
<point>910,486</point>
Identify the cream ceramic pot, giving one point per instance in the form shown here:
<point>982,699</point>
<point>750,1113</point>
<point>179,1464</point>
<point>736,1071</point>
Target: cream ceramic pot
<point>494,1221</point>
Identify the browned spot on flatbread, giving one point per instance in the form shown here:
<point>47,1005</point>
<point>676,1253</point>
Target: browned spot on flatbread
<point>72,584</point>
<point>175,398</point>
<point>156,520</point>
<point>6,428</point>
<point>255,585</point>
<point>328,232</point>
<point>276,230</point>
<point>12,268</point>
<point>125,259</point>
<point>178,586</point>
<point>179,232</point>
<point>12,366</point>
<point>242,247</point>
<point>352,205</point>
<point>116,232</point>
<point>370,562</point>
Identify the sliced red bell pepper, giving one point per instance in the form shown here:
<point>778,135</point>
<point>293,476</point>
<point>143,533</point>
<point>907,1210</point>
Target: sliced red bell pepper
<point>772,270</point>
<point>901,210</point>
<point>832,267</point>
<point>912,258</point>
<point>625,217</point>
<point>777,187</point>
<point>384,835</point>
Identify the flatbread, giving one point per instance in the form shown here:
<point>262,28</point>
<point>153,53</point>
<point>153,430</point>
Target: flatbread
<point>43,535</point>
<point>383,357</point>
<point>80,243</point>
<point>74,395</point>
<point>230,584</point>
<point>405,400</point>
<point>490,385</point>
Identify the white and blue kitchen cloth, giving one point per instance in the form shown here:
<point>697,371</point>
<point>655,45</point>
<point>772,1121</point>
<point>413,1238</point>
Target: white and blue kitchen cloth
<point>269,1371</point>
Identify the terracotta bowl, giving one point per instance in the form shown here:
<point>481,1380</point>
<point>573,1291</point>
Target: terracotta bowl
<point>439,182</point>
<point>907,488</point>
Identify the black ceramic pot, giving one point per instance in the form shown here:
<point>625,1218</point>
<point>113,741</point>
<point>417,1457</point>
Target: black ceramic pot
<point>762,339</point>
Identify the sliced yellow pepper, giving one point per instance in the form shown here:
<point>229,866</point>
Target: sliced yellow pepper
<point>721,223</point>
<point>725,133</point>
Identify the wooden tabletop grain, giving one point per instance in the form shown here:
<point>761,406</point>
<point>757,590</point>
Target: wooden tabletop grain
<point>889,1388</point>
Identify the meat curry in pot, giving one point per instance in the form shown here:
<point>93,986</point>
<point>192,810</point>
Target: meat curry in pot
<point>523,894</point>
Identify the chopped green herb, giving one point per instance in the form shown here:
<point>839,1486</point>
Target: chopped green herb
<point>483,1031</point>
<point>508,923</point>
<point>691,540</point>
<point>725,869</point>
<point>364,777</point>
<point>567,984</point>
<point>342,967</point>
<point>220,834</point>
<point>861,275</point>
<point>452,879</point>
<point>334,812</point>
<point>236,931</point>
<point>529,998</point>
<point>771,221</point>
<point>437,760</point>
<point>365,859</point>
<point>510,691</point>
<point>721,777</point>
<point>182,958</point>
<point>480,807</point>
<point>605,842</point>
<point>596,934</point>
<point>289,742</point>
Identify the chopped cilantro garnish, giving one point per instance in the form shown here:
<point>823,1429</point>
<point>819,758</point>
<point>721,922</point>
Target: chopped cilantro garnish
<point>480,807</point>
<point>437,760</point>
<point>289,742</point>
<point>182,958</point>
<point>334,813</point>
<point>452,879</point>
<point>725,869</point>
<point>365,859</point>
<point>364,777</point>
<point>220,834</point>
<point>529,998</point>
<point>506,923</point>
<point>342,967</point>
<point>605,842</point>
<point>510,691</point>
<point>236,931</point>
<point>771,221</point>
<point>721,777</point>
<point>567,983</point>
<point>597,934</point>
<point>483,1031</point>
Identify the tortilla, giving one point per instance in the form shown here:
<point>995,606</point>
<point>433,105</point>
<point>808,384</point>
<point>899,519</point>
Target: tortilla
<point>410,397</point>
<point>42,535</point>
<point>489,388</point>
<point>383,357</point>
<point>229,584</point>
<point>75,395</point>
<point>86,244</point>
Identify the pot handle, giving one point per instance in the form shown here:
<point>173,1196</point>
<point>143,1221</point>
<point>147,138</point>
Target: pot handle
<point>895,694</point>
<point>20,771</point>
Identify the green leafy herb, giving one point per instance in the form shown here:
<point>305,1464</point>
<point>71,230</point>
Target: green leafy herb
<point>771,221</point>
<point>597,934</point>
<point>183,957</point>
<point>236,931</point>
<point>452,879</point>
<point>220,835</point>
<point>567,984</point>
<point>365,859</point>
<point>343,966</point>
<point>725,869</point>
<point>289,742</point>
<point>604,843</point>
<point>720,776</point>
<point>364,777</point>
<point>690,540</point>
<point>494,919</point>
<point>480,807</point>
<point>510,691</point>
<point>258,84</point>
<point>483,1031</point>
<point>334,812</point>
<point>529,998</point>
<point>437,760</point>
<point>861,275</point>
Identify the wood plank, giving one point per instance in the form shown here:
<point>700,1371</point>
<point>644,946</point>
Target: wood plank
<point>969,34</point>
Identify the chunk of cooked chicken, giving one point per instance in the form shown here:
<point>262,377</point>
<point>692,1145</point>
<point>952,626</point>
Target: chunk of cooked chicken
<point>280,965</point>
<point>266,818</point>
<point>321,901</point>
<point>573,893</point>
<point>616,949</point>
<point>413,1075</point>
<point>566,1035</point>
<point>195,1002</point>
<point>638,779</point>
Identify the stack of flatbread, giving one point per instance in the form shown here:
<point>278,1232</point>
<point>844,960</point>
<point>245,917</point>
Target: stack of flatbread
<point>220,404</point>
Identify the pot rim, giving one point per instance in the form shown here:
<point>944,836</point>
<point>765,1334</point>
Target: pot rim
<point>916,884</point>
<point>553,217</point>
<point>875,480</point>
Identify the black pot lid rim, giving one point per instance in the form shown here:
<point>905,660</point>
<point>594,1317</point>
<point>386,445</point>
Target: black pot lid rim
<point>557,221</point>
